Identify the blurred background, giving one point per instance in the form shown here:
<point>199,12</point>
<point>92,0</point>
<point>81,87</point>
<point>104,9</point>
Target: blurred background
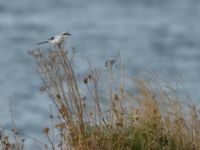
<point>160,36</point>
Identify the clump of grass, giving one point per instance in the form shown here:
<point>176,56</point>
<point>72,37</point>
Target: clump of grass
<point>152,117</point>
<point>14,143</point>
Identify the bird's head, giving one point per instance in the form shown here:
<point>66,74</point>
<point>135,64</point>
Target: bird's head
<point>52,38</point>
<point>65,33</point>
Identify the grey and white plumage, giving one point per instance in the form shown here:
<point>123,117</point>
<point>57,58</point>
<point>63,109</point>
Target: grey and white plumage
<point>57,40</point>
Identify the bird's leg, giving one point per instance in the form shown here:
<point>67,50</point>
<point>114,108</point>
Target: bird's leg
<point>63,46</point>
<point>55,47</point>
<point>59,46</point>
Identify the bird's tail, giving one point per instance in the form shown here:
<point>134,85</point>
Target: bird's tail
<point>42,42</point>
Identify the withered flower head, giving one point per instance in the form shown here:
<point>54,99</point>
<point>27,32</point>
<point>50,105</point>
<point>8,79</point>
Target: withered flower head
<point>116,97</point>
<point>89,76</point>
<point>14,130</point>
<point>109,63</point>
<point>85,80</point>
<point>45,130</point>
<point>58,96</point>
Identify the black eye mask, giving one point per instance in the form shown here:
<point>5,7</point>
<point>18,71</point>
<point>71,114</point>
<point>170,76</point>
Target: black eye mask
<point>51,38</point>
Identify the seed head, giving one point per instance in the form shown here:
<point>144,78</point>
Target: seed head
<point>89,76</point>
<point>45,130</point>
<point>109,63</point>
<point>85,80</point>
<point>116,97</point>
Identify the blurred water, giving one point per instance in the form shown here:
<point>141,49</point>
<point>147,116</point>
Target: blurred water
<point>162,36</point>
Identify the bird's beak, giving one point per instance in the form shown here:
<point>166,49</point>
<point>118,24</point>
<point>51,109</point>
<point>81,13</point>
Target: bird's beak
<point>69,34</point>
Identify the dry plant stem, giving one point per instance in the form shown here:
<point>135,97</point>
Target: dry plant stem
<point>41,145</point>
<point>52,123</point>
<point>15,132</point>
<point>121,98</point>
<point>59,88</point>
<point>61,139</point>
<point>95,108</point>
<point>135,119</point>
<point>51,142</point>
<point>110,99</point>
<point>2,138</point>
<point>73,88</point>
<point>45,77</point>
<point>94,78</point>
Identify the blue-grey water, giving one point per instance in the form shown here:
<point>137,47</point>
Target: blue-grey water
<point>160,36</point>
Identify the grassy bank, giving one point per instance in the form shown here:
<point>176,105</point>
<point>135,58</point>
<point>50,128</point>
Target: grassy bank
<point>151,116</point>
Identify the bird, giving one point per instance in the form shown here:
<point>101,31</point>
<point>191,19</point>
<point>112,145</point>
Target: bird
<point>57,40</point>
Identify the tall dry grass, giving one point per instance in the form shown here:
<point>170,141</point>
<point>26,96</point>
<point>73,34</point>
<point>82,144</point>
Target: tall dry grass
<point>17,143</point>
<point>150,117</point>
